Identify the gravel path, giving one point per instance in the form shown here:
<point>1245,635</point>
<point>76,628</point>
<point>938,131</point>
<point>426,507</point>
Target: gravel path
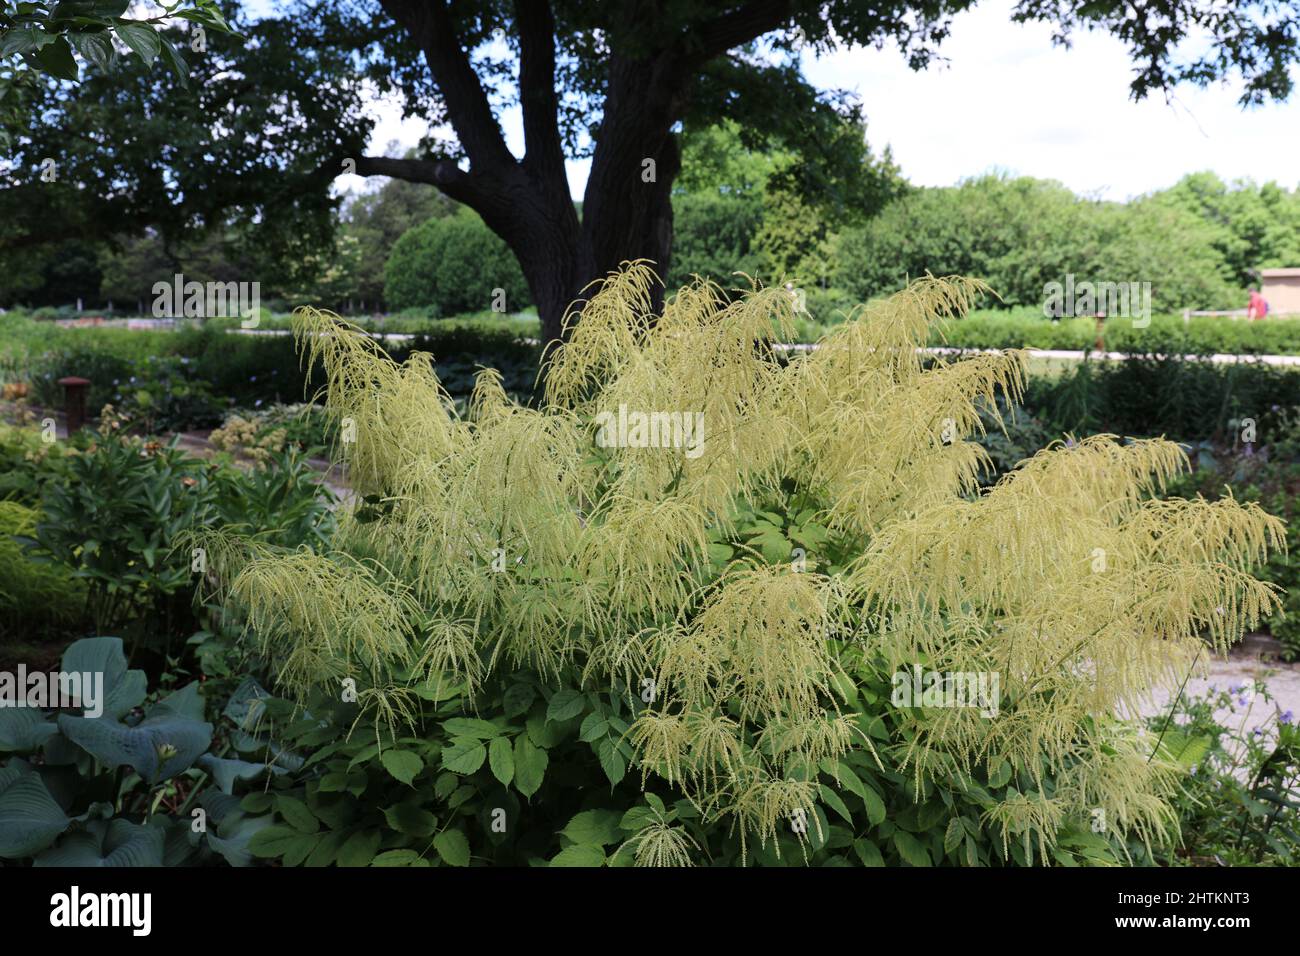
<point>1245,666</point>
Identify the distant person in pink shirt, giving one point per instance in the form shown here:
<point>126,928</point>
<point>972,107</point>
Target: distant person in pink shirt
<point>1257,308</point>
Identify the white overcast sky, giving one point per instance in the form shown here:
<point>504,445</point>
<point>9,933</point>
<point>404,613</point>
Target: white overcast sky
<point>1008,100</point>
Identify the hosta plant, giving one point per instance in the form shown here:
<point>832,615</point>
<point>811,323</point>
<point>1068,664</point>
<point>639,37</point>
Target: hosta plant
<point>698,570</point>
<point>130,778</point>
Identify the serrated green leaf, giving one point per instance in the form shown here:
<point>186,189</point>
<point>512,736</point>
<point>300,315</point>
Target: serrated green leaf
<point>530,765</point>
<point>359,849</point>
<point>452,847</point>
<point>582,856</point>
<point>911,849</point>
<point>471,727</point>
<point>296,814</point>
<point>501,759</point>
<point>403,765</point>
<point>565,705</point>
<point>464,756</point>
<point>594,828</point>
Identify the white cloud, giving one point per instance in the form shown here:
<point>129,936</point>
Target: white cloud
<point>1009,100</point>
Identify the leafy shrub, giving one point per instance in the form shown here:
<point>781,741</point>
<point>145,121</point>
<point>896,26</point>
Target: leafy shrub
<point>123,513</point>
<point>713,235</point>
<point>1018,234</point>
<point>1266,470</point>
<point>512,594</point>
<point>33,594</point>
<point>1165,335</point>
<point>164,395</point>
<point>257,434</point>
<point>1187,400</point>
<point>28,464</point>
<point>453,264</point>
<point>115,523</point>
<point>1241,804</point>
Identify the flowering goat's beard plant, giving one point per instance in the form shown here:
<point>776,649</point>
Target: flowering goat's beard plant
<point>509,538</point>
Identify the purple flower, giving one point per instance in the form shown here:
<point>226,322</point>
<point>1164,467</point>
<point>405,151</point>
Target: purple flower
<point>1287,717</point>
<point>1241,702</point>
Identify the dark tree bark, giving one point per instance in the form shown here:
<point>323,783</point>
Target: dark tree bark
<point>627,212</point>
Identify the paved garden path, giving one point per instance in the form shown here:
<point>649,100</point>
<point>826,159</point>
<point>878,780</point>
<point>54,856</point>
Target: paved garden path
<point>1244,667</point>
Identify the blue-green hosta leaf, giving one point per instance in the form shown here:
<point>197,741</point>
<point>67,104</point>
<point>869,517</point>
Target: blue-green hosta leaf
<point>24,729</point>
<point>123,689</point>
<point>247,705</point>
<point>158,748</point>
<point>235,833</point>
<point>30,819</point>
<point>186,702</point>
<point>108,843</point>
<point>227,772</point>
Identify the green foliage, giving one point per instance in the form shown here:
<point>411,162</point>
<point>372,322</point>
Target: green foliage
<point>713,236</point>
<point>164,395</point>
<point>44,39</point>
<point>110,788</point>
<point>33,595</point>
<point>1020,234</point>
<point>1265,469</point>
<point>1187,400</point>
<point>149,782</point>
<point>1252,227</point>
<point>724,631</point>
<point>118,520</point>
<point>259,433</point>
<point>1164,335</point>
<point>28,464</point>
<point>1240,806</point>
<point>453,265</point>
<point>377,220</point>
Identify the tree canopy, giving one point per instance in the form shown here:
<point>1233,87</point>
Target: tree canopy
<point>271,113</point>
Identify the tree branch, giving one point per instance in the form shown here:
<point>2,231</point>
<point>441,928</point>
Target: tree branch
<point>734,29</point>
<point>537,98</point>
<point>468,109</point>
<point>443,173</point>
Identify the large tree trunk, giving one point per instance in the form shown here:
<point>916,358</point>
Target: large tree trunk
<point>625,217</point>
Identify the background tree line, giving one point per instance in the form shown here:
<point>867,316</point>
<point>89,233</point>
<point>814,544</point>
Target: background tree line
<point>738,208</point>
